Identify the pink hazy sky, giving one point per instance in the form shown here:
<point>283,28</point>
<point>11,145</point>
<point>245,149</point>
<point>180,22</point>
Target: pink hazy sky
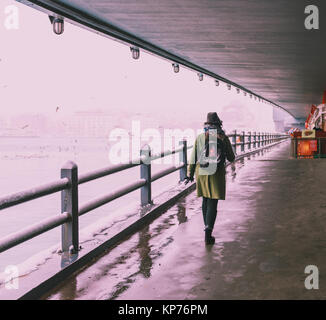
<point>81,70</point>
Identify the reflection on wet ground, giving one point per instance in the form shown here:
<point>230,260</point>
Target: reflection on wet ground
<point>121,266</point>
<point>267,231</point>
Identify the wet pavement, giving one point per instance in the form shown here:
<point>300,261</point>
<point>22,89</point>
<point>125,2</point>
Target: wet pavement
<point>269,228</point>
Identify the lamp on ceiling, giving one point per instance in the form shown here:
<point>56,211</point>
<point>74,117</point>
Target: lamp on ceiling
<point>176,67</point>
<point>229,86</point>
<point>57,24</point>
<point>200,76</point>
<point>217,83</point>
<point>135,52</point>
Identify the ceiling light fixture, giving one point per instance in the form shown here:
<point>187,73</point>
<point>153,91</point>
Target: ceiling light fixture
<point>135,52</point>
<point>176,67</point>
<point>57,24</point>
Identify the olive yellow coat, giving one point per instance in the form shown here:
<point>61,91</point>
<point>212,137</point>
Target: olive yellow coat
<point>209,186</point>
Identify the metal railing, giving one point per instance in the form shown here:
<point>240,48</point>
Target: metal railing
<point>253,140</point>
<point>70,180</point>
<point>68,185</point>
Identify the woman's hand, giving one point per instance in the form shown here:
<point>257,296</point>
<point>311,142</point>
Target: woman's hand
<point>189,179</point>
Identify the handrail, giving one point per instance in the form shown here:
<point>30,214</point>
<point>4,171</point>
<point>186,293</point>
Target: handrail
<point>165,172</point>
<point>69,182</point>
<point>34,193</point>
<point>100,201</point>
<point>100,173</point>
<point>34,230</point>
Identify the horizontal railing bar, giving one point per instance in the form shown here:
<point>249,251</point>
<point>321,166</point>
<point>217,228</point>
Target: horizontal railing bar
<point>100,201</point>
<point>253,141</point>
<point>166,153</point>
<point>34,193</point>
<point>239,134</point>
<point>32,231</point>
<point>165,172</point>
<point>89,176</point>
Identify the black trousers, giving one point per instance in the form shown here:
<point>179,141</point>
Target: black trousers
<point>209,207</point>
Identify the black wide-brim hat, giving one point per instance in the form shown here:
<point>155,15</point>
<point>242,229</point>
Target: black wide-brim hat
<point>212,118</point>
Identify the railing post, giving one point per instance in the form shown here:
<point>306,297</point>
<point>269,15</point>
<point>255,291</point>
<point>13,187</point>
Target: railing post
<point>249,140</point>
<point>259,139</point>
<point>69,204</point>
<point>145,173</point>
<point>183,159</point>
<point>234,141</point>
<point>243,138</point>
<point>255,140</point>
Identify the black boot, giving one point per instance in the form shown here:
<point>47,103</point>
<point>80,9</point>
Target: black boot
<point>208,236</point>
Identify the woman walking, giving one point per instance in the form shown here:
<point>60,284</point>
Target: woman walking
<point>207,163</point>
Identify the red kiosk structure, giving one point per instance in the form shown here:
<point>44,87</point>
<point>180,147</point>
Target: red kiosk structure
<point>311,142</point>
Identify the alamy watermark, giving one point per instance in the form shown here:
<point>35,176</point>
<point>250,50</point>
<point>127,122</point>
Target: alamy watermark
<point>312,20</point>
<point>10,277</point>
<point>125,145</point>
<point>312,280</point>
<point>11,17</point>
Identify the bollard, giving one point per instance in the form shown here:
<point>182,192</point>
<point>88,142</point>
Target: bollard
<point>69,204</point>
<point>234,142</point>
<point>145,173</point>
<point>183,159</point>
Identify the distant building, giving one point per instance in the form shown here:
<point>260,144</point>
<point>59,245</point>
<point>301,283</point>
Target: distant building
<point>88,124</point>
